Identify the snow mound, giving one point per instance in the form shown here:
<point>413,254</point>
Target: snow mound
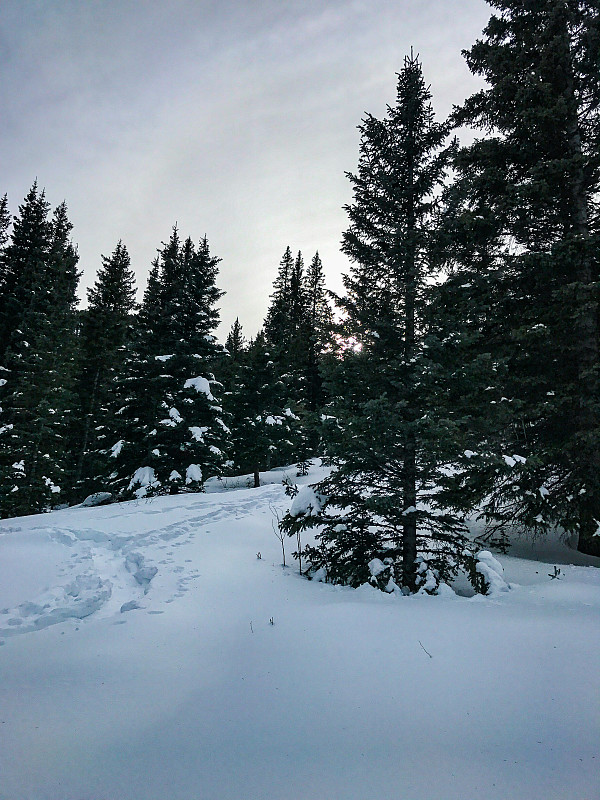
<point>492,571</point>
<point>97,499</point>
<point>142,479</point>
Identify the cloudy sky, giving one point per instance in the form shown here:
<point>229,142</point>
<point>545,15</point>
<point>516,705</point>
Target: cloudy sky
<point>234,118</point>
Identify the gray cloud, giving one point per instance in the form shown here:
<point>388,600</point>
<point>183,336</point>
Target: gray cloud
<point>235,119</point>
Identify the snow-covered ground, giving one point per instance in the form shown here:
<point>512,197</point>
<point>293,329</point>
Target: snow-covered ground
<point>149,654</point>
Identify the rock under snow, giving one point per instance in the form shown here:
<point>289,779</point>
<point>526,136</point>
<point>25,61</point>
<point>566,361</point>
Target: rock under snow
<point>97,499</point>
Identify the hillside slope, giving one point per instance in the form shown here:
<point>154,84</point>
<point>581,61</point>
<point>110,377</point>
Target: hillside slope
<point>139,661</point>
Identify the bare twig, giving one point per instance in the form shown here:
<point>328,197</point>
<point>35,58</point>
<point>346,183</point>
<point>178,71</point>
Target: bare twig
<point>427,651</point>
<point>277,530</point>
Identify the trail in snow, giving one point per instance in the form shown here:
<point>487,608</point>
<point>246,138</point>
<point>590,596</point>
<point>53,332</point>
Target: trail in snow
<point>104,568</point>
<point>149,653</point>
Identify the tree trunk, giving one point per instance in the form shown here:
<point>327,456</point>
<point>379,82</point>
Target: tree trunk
<point>256,478</point>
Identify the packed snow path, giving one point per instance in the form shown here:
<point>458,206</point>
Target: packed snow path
<point>148,653</point>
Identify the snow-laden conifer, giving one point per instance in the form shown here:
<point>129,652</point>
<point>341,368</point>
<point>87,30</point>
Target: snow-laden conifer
<point>393,436</point>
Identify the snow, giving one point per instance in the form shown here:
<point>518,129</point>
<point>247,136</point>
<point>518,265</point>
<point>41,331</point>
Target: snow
<point>116,448</point>
<point>200,385</point>
<point>142,478</point>
<point>270,420</point>
<point>175,415</point>
<point>51,485</point>
<point>492,571</point>
<point>138,660</point>
<point>163,358</point>
<point>376,567</point>
<point>96,499</point>
<point>197,432</point>
<point>306,503</point>
<point>193,473</point>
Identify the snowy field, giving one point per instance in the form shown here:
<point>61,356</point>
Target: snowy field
<point>139,662</point>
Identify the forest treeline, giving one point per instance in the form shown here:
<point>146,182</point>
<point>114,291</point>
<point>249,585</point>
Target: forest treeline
<point>462,371</point>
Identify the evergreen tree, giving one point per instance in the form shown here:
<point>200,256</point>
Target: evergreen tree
<point>4,221</point>
<point>235,348</point>
<point>104,333</point>
<point>235,342</point>
<point>22,262</point>
<point>319,332</point>
<point>38,319</point>
<point>263,428</point>
<point>378,514</point>
<point>277,321</point>
<point>526,228</point>
<point>172,431</point>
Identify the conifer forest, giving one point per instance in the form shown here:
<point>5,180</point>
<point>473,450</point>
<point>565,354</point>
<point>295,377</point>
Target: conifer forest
<point>347,547</point>
<point>456,373</point>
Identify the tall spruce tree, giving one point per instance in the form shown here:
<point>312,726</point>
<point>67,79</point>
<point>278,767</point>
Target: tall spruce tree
<point>4,221</point>
<point>379,514</point>
<point>277,321</point>
<point>38,331</point>
<point>105,329</point>
<point>22,260</point>
<point>172,434</point>
<point>526,238</point>
<point>319,331</point>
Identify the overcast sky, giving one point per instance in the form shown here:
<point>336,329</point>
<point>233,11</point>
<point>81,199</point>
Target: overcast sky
<point>234,118</point>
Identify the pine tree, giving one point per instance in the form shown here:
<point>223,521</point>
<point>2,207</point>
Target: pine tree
<point>263,428</point>
<point>319,332</point>
<point>22,261</point>
<point>172,432</point>
<point>526,214</point>
<point>379,516</point>
<point>277,321</point>
<point>4,221</point>
<point>38,318</point>
<point>235,342</point>
<point>105,328</point>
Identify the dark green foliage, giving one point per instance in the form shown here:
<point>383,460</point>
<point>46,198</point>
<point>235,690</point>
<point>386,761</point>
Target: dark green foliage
<point>170,421</point>
<point>105,332</point>
<point>235,342</point>
<point>524,227</point>
<point>298,331</point>
<point>388,508</point>
<point>37,316</point>
<point>4,221</point>
<point>278,319</point>
<point>263,429</point>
